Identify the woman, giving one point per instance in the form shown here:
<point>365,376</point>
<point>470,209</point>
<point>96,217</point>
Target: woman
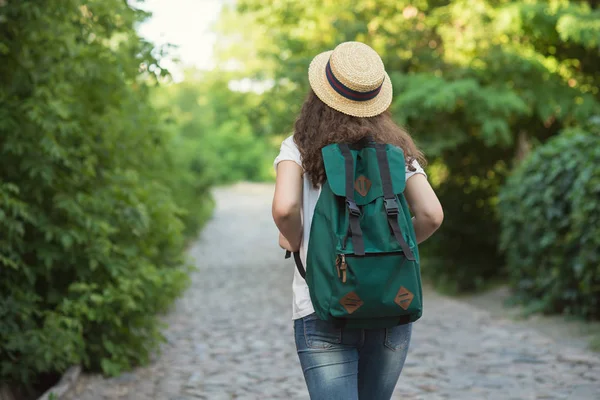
<point>349,97</point>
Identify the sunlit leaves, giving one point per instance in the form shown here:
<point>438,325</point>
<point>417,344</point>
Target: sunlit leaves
<point>91,230</point>
<point>470,77</point>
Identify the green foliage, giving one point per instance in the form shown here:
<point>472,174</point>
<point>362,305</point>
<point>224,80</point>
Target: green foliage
<point>91,231</point>
<point>217,128</point>
<point>463,254</point>
<point>470,77</point>
<point>551,226</point>
<point>186,172</point>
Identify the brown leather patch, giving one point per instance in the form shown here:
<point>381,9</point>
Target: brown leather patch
<point>351,302</point>
<point>404,298</point>
<point>362,185</point>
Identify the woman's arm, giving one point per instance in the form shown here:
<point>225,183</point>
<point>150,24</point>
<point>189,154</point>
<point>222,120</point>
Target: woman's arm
<point>287,203</point>
<point>424,204</point>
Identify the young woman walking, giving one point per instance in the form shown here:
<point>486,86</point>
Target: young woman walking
<point>348,103</point>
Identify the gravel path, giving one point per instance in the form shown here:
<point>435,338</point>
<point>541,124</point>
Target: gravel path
<point>230,335</point>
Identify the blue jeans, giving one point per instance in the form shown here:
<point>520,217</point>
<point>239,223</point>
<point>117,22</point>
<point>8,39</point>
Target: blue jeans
<point>350,364</point>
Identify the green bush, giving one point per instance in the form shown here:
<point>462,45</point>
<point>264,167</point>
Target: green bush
<point>189,175</point>
<point>91,233</point>
<point>550,217</point>
<point>462,255</point>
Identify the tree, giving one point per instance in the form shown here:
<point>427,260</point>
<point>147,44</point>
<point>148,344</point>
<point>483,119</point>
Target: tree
<point>91,234</point>
<point>470,78</point>
<point>219,129</point>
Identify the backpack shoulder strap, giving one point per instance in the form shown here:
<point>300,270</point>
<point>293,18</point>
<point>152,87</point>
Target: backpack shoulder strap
<point>298,262</point>
<point>389,198</point>
<point>358,243</point>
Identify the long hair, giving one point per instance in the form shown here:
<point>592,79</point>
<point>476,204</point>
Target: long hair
<point>319,125</point>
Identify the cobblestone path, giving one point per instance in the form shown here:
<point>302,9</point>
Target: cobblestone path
<point>230,335</point>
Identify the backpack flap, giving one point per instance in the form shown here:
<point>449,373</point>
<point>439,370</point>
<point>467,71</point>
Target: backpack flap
<point>367,183</point>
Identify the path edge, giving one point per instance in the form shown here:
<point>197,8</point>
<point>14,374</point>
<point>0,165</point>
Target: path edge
<point>65,384</point>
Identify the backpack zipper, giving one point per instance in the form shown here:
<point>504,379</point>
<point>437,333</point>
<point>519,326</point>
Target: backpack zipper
<point>385,253</point>
<point>341,266</point>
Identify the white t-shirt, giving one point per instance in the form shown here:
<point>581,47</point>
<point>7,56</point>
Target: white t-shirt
<point>302,305</point>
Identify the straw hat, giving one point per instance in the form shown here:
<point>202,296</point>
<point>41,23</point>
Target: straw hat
<point>351,79</point>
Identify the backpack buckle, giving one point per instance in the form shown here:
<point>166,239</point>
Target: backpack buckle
<point>353,208</point>
<point>391,206</point>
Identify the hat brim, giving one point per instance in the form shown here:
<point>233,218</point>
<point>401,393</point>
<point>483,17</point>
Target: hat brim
<point>320,85</point>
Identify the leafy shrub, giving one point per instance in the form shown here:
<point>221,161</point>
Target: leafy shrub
<point>193,179</point>
<point>550,219</point>
<point>462,255</point>
<point>91,233</point>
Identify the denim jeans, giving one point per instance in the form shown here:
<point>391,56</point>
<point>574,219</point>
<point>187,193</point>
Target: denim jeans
<point>350,364</point>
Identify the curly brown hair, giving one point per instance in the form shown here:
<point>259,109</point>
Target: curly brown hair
<point>319,125</point>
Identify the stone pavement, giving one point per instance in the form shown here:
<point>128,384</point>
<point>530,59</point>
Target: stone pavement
<point>230,335</point>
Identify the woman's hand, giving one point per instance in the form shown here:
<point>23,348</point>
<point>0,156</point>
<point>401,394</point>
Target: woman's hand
<point>285,244</point>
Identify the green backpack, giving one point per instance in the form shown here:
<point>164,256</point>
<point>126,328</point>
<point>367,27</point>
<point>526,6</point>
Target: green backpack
<point>362,253</point>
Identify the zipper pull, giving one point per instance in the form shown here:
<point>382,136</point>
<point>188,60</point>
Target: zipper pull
<point>343,267</point>
<point>338,261</point>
